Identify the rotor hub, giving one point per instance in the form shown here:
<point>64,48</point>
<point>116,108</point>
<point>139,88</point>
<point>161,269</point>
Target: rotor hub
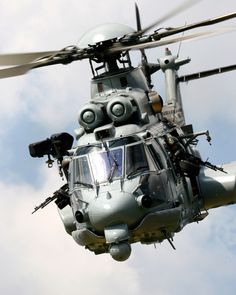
<point>104,33</point>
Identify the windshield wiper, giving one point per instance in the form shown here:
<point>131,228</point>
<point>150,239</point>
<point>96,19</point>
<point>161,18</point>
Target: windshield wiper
<point>114,161</point>
<point>89,185</point>
<point>113,169</point>
<point>137,170</point>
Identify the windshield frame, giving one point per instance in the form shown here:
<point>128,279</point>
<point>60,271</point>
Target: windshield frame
<point>97,148</point>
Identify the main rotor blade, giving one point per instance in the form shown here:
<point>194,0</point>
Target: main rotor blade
<point>23,58</point>
<point>139,28</point>
<point>151,44</point>
<point>185,5</point>
<point>23,69</point>
<point>207,73</point>
<point>138,21</point>
<point>64,56</point>
<point>181,29</point>
<point>16,71</point>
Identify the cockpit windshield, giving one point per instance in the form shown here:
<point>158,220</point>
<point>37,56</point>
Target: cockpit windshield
<point>106,165</point>
<point>96,165</point>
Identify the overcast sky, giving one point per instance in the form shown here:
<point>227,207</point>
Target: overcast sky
<point>36,255</point>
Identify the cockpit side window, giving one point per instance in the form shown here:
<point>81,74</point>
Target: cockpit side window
<point>82,170</point>
<point>135,159</point>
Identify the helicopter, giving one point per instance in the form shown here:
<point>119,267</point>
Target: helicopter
<point>134,174</point>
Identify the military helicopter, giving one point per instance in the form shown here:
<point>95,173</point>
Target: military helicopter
<point>134,173</point>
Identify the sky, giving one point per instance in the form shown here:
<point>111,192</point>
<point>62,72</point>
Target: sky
<point>36,255</point>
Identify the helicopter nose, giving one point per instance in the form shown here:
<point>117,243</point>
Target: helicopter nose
<point>113,208</point>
